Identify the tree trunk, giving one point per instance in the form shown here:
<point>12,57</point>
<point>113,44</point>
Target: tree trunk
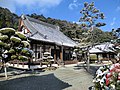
<point>88,60</point>
<point>5,69</point>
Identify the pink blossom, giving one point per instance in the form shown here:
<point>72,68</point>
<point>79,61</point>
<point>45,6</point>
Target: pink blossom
<point>108,75</point>
<point>112,70</point>
<point>117,70</point>
<point>118,77</point>
<point>117,65</point>
<point>107,81</point>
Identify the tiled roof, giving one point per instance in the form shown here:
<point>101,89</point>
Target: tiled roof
<point>105,47</point>
<point>46,32</point>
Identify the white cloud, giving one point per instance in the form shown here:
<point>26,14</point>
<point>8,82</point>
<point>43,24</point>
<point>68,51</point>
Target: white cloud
<point>40,3</point>
<point>73,5</point>
<point>113,22</point>
<point>118,8</point>
<point>77,22</point>
<point>74,1</point>
<point>43,5</point>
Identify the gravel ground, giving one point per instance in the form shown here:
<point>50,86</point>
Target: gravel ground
<point>70,77</point>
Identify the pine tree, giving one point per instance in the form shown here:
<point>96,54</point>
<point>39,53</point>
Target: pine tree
<point>89,18</point>
<point>13,46</point>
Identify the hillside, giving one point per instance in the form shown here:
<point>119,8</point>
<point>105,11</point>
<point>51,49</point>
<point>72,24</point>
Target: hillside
<point>8,19</point>
<point>72,30</point>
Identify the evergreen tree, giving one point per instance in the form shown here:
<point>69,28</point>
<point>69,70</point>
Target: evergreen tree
<point>13,46</point>
<point>89,18</point>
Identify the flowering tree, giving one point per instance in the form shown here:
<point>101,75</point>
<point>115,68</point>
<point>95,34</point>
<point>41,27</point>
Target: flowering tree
<point>108,78</point>
<point>13,46</point>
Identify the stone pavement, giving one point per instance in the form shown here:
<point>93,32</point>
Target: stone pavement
<point>70,77</point>
<point>75,76</point>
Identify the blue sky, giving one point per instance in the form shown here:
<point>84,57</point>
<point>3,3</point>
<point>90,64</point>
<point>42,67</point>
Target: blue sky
<point>66,9</point>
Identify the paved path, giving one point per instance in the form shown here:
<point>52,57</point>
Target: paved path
<point>78,78</point>
<point>64,78</point>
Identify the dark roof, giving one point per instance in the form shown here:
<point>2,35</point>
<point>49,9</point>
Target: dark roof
<point>46,32</point>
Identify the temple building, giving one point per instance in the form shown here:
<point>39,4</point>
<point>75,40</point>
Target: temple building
<point>45,37</point>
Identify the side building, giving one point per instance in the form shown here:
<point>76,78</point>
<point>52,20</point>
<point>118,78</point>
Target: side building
<point>45,37</point>
<point>103,52</point>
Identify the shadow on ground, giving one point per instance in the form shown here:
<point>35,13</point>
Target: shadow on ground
<point>92,69</point>
<point>13,72</point>
<point>78,67</point>
<point>44,82</point>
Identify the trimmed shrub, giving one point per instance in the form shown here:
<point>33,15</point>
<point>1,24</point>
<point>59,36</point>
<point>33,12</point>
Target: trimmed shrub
<point>7,31</point>
<point>1,44</point>
<point>26,43</point>
<point>93,57</point>
<point>11,51</point>
<point>15,39</point>
<point>20,35</point>
<point>13,57</point>
<point>23,58</point>
<point>3,37</point>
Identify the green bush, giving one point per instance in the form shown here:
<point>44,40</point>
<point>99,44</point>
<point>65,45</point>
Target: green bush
<point>14,45</point>
<point>24,51</point>
<point>13,57</point>
<point>3,37</point>
<point>4,45</point>
<point>1,44</point>
<point>21,36</point>
<point>0,57</point>
<point>26,43</point>
<point>93,57</point>
<point>12,51</point>
<point>7,31</point>
<point>15,39</point>
<point>22,58</point>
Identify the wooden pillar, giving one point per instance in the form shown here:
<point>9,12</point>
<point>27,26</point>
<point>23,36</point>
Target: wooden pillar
<point>69,53</point>
<point>31,46</point>
<point>61,53</point>
<point>43,47</point>
<point>35,52</point>
<point>40,51</point>
<point>50,50</point>
<point>97,58</point>
<point>55,56</point>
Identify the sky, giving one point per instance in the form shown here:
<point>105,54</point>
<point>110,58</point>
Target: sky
<point>68,10</point>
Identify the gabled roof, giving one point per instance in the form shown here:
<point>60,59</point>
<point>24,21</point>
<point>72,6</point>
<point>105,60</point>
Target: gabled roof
<point>102,48</point>
<point>46,32</point>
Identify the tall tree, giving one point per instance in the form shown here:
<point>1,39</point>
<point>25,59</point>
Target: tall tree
<point>13,46</point>
<point>89,20</point>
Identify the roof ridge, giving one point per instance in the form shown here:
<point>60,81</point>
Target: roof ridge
<point>40,22</point>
